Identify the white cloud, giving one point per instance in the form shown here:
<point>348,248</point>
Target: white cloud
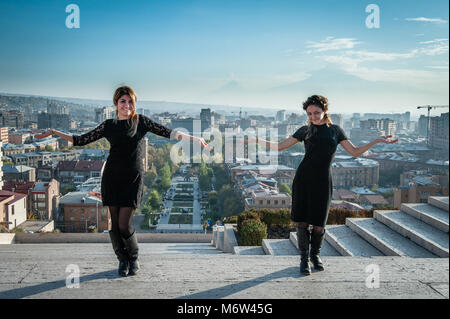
<point>435,47</point>
<point>434,41</point>
<point>438,67</point>
<point>423,19</point>
<point>330,43</point>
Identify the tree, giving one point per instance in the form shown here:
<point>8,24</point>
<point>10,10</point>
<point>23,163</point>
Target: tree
<point>48,148</point>
<point>213,200</point>
<point>150,177</point>
<point>284,188</point>
<point>166,177</point>
<point>154,199</point>
<point>204,177</point>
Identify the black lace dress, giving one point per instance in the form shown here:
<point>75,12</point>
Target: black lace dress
<point>123,176</point>
<point>312,186</point>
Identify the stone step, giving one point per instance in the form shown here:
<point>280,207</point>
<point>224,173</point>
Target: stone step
<point>279,247</point>
<point>427,213</point>
<point>349,243</point>
<point>439,201</point>
<point>248,250</point>
<point>385,239</point>
<point>326,250</point>
<point>178,248</point>
<point>423,234</point>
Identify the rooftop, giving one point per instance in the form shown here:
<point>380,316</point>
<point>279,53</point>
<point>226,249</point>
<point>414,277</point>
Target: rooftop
<point>79,197</point>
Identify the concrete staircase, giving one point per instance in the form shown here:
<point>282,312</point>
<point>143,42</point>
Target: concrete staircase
<point>416,230</point>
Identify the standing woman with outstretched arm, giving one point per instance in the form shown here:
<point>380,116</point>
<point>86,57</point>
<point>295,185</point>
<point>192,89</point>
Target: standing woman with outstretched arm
<point>312,185</point>
<point>123,177</point>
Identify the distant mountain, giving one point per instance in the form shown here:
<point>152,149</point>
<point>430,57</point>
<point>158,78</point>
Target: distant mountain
<point>153,106</point>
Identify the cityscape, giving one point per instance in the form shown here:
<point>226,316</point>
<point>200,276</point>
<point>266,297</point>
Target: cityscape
<point>50,185</point>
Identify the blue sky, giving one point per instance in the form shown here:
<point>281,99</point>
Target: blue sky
<point>244,53</point>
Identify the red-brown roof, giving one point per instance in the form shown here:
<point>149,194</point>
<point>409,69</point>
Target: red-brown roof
<point>376,199</point>
<point>6,194</point>
<point>89,165</point>
<point>18,187</point>
<point>81,165</point>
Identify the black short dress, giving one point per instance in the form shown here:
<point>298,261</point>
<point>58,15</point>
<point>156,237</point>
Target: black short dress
<point>123,177</point>
<point>312,186</point>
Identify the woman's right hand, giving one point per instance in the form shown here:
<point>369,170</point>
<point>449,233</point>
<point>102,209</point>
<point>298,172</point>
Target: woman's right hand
<point>45,134</point>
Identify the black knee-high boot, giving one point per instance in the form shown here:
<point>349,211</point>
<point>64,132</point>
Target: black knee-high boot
<point>119,250</point>
<point>303,235</point>
<point>316,244</point>
<point>132,248</point>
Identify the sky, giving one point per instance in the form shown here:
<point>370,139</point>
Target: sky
<point>256,53</point>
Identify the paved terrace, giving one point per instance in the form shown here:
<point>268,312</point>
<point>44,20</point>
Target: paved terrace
<point>197,269</point>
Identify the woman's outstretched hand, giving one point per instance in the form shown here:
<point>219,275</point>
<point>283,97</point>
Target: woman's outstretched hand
<point>387,139</point>
<point>45,134</point>
<point>205,145</point>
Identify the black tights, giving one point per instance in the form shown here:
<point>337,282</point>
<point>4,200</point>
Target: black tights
<point>316,229</point>
<point>121,218</point>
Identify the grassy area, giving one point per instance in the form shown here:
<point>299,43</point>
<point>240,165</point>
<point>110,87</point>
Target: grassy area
<point>182,204</point>
<point>180,219</point>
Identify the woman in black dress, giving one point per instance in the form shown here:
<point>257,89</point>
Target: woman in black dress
<point>312,185</point>
<point>123,175</point>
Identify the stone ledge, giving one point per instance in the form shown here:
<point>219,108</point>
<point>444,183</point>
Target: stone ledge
<point>40,271</point>
<point>40,238</point>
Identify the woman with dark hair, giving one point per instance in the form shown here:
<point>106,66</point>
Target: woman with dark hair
<point>312,185</point>
<point>122,179</point>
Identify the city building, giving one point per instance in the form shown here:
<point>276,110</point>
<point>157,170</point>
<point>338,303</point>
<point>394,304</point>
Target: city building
<point>104,113</point>
<point>439,132</point>
<point>13,118</point>
<point>44,197</point>
<point>337,119</point>
<point>22,188</point>
<point>207,119</point>
<point>417,194</point>
<point>78,211</point>
<point>19,137</point>
<point>19,173</point>
<point>77,172</point>
<point>55,121</point>
<point>280,116</point>
<point>4,136</point>
<point>270,200</point>
<point>357,172</point>
<point>12,209</point>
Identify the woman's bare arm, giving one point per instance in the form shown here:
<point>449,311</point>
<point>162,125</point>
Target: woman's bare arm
<point>182,136</point>
<point>278,146</point>
<point>357,151</point>
<point>49,132</point>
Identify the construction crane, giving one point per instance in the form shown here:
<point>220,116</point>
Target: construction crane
<point>429,107</point>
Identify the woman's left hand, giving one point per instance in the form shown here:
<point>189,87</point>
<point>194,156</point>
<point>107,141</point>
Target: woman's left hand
<point>387,139</point>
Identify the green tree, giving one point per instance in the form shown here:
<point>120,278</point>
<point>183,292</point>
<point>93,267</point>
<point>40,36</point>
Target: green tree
<point>284,188</point>
<point>48,148</point>
<point>150,177</point>
<point>204,177</point>
<point>154,199</point>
